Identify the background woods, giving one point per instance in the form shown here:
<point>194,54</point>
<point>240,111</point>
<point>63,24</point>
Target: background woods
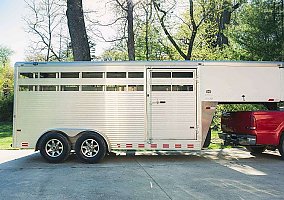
<point>65,30</point>
<point>156,30</point>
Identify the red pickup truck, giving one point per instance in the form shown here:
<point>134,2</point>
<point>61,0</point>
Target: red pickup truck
<point>256,130</point>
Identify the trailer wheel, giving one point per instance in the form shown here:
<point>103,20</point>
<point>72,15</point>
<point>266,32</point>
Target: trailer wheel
<point>54,147</point>
<point>281,147</point>
<point>256,149</point>
<point>207,139</point>
<point>90,148</point>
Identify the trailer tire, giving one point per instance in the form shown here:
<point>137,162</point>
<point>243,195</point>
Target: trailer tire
<point>90,148</point>
<point>207,139</point>
<point>54,147</point>
<point>256,149</point>
<point>281,147</point>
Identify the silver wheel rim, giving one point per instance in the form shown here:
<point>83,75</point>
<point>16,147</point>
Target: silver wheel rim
<point>54,148</point>
<point>90,148</point>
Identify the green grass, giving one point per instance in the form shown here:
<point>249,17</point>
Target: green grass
<point>216,142</point>
<point>6,129</point>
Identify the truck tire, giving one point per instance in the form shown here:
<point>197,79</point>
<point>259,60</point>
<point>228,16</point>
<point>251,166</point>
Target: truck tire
<point>54,147</point>
<point>281,147</point>
<point>207,139</point>
<point>90,148</point>
<point>256,149</point>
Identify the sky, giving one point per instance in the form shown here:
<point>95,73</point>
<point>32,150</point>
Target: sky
<point>12,33</point>
<point>14,36</point>
<point>12,27</point>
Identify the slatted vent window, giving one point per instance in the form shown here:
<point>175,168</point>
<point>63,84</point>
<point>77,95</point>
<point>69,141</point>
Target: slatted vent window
<point>182,74</point>
<point>172,74</point>
<point>26,88</point>
<point>182,87</point>
<point>26,75</point>
<point>116,74</point>
<point>48,88</point>
<point>92,88</point>
<point>70,88</point>
<point>117,88</point>
<point>69,74</point>
<point>161,74</point>
<point>135,75</point>
<point>133,88</point>
<point>48,75</point>
<point>161,88</point>
<point>92,74</point>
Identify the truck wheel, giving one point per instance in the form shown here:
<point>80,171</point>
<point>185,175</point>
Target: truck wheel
<point>207,139</point>
<point>281,147</point>
<point>256,149</point>
<point>54,147</point>
<point>90,148</point>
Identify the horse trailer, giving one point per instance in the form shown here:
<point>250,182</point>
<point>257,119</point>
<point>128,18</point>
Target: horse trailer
<point>94,108</point>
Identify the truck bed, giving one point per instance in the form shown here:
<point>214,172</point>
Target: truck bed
<point>265,126</point>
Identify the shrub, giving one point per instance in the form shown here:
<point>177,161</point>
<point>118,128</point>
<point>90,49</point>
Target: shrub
<point>6,108</point>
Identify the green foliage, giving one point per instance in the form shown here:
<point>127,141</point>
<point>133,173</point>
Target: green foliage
<point>6,130</point>
<point>222,108</point>
<point>5,54</point>
<point>158,46</point>
<point>6,78</point>
<point>260,30</point>
<point>6,93</point>
<point>6,108</point>
<point>114,54</point>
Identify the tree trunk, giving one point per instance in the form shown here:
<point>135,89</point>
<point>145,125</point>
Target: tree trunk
<point>193,33</point>
<point>147,36</point>
<point>130,40</point>
<point>77,30</point>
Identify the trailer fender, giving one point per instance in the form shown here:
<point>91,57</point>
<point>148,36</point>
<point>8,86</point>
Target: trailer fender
<point>105,138</point>
<point>49,131</point>
<point>72,134</point>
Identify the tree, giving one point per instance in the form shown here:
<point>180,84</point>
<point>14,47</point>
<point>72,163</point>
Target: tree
<point>193,24</point>
<point>77,30</point>
<point>151,43</point>
<point>125,11</point>
<point>5,54</point>
<point>260,30</point>
<point>201,26</point>
<point>46,23</point>
<point>6,85</point>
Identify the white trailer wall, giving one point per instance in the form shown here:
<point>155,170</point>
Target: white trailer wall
<point>240,82</point>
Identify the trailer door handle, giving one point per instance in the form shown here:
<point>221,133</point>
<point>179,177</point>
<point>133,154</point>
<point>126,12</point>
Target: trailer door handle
<point>158,102</point>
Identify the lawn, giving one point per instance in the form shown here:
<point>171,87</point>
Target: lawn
<point>216,142</point>
<point>6,129</point>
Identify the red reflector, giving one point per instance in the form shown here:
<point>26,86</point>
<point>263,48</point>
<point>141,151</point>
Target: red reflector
<point>270,99</point>
<point>25,144</point>
<point>166,146</point>
<point>153,145</point>
<point>177,145</point>
<point>141,145</point>
<point>118,145</point>
<point>128,145</point>
<point>190,146</point>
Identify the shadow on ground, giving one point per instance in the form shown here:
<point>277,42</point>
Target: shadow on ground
<point>34,160</point>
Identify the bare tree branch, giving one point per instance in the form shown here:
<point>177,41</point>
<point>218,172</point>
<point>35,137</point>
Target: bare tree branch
<point>167,33</point>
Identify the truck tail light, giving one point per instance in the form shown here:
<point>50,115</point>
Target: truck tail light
<point>252,123</point>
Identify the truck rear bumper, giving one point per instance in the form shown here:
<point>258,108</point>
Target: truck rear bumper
<point>238,139</point>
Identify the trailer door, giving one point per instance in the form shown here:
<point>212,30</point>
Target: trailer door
<point>171,104</point>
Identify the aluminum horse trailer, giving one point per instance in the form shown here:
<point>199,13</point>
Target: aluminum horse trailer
<point>99,107</point>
